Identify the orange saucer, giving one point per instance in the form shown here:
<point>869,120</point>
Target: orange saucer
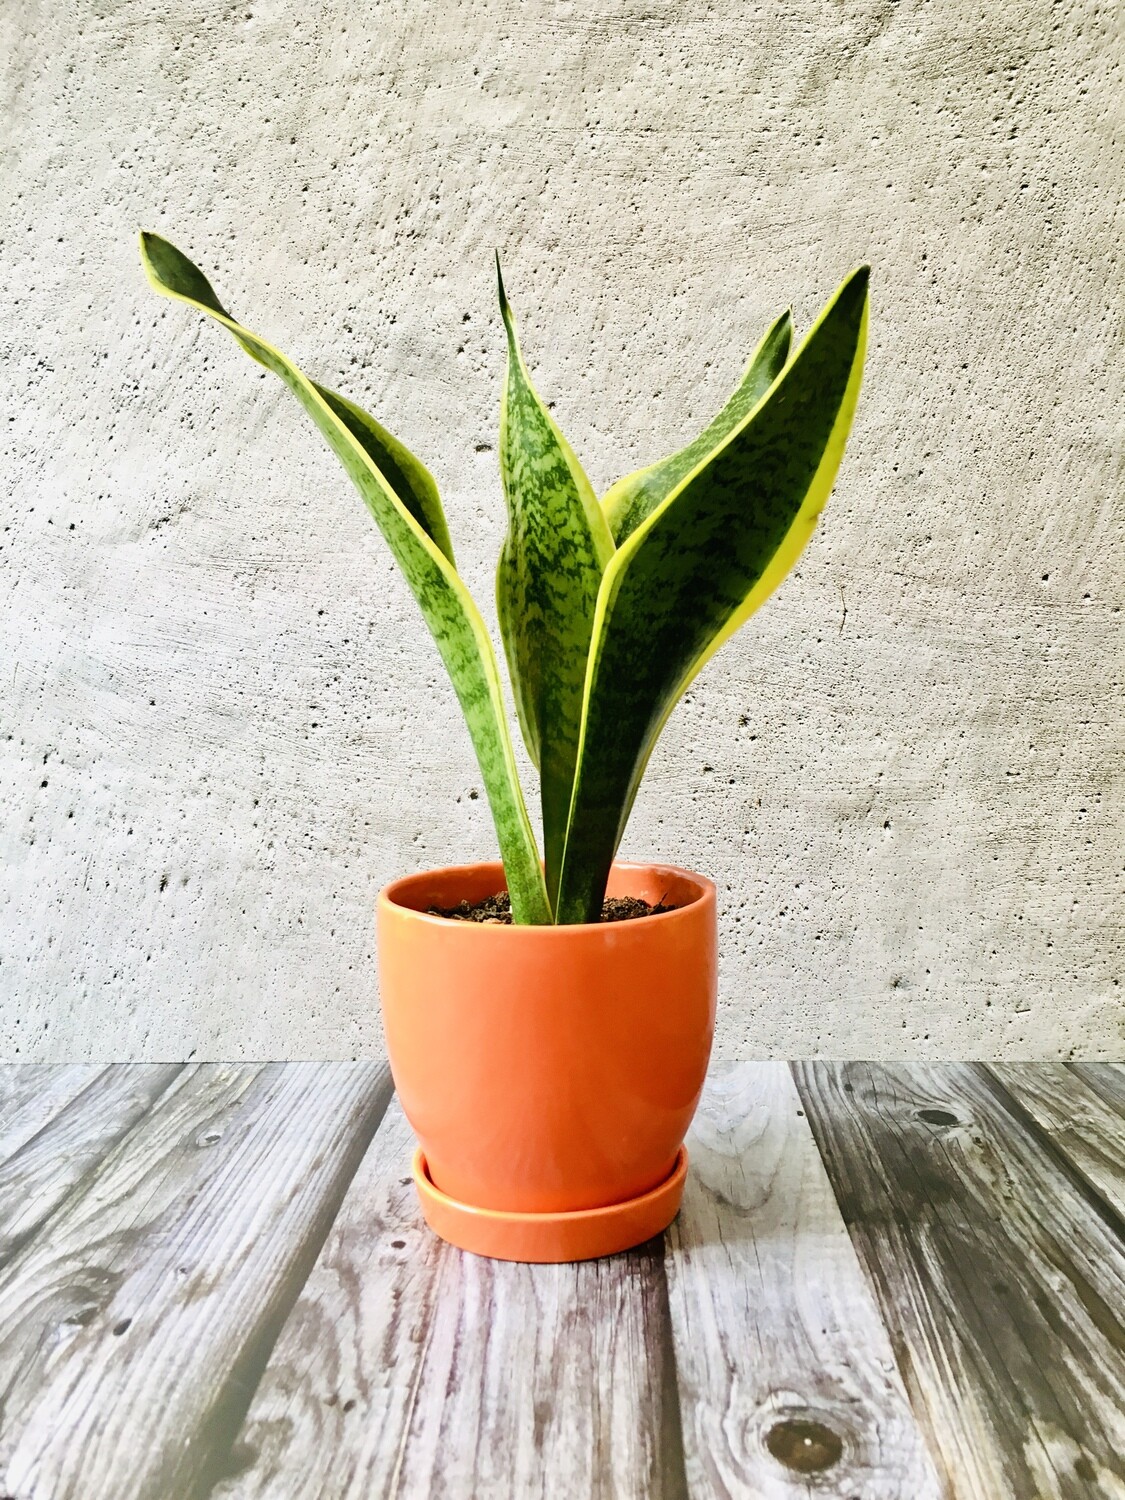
<point>583,1235</point>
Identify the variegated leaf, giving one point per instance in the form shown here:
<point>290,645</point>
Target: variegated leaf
<point>547,584</point>
<point>404,501</point>
<point>628,502</point>
<point>695,569</point>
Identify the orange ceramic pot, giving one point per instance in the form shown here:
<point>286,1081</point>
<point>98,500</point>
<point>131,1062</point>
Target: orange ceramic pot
<point>549,1073</point>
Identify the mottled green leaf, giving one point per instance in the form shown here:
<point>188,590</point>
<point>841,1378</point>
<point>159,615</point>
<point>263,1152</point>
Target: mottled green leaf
<point>694,570</point>
<point>403,499</point>
<point>409,480</point>
<point>547,583</point>
<point>628,502</point>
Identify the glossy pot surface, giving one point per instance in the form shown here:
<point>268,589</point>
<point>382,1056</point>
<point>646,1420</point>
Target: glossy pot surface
<point>548,1069</point>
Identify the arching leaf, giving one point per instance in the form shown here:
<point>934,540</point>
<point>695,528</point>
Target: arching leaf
<point>404,501</point>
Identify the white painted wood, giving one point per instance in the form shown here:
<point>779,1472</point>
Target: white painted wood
<point>409,1369</point>
<point>1079,1121</point>
<point>52,1163</point>
<point>31,1094</point>
<point>772,1317</point>
<point>145,1400</point>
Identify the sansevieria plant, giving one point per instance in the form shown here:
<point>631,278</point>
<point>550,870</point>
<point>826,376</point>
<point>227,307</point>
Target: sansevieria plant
<point>608,608</point>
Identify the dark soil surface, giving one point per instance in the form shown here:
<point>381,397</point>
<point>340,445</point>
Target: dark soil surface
<point>497,910</point>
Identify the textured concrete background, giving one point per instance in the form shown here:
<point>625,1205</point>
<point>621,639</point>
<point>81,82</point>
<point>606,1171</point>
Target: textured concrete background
<point>224,726</point>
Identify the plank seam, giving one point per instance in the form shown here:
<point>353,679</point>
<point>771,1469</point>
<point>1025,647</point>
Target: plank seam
<point>229,1458</point>
<point>1095,1082</point>
<point>16,1245</point>
<point>673,1467</point>
<point>1047,1143</point>
<point>64,1103</point>
<point>971,1340</point>
<point>872,1270</point>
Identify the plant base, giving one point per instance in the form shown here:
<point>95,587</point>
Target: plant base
<point>583,1235</point>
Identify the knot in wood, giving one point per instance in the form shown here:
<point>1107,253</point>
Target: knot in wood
<point>804,1446</point>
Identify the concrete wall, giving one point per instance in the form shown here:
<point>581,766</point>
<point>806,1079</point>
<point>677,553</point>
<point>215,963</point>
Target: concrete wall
<point>224,726</point>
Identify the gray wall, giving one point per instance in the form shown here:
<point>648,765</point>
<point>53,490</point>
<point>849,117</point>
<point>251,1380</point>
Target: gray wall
<point>224,726</point>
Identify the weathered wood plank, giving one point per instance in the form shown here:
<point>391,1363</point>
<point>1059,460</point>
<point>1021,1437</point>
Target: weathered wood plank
<point>1078,1121</point>
<point>64,1278</point>
<point>787,1379</point>
<point>409,1369</point>
<point>1106,1079</point>
<point>31,1094</point>
<point>1002,1284</point>
<point>145,1399</point>
<point>47,1168</point>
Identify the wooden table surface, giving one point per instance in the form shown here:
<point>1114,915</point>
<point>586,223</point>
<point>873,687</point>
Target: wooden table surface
<point>887,1282</point>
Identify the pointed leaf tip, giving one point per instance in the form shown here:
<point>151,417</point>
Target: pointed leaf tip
<point>637,495</point>
<point>547,582</point>
<point>505,306</point>
<point>402,498</point>
<point>710,533</point>
<point>171,272</point>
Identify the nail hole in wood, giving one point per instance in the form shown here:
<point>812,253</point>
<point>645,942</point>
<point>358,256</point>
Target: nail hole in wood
<point>398,1244</point>
<point>803,1446</point>
<point>122,1327</point>
<point>937,1117</point>
<point>210,1137</point>
<point>349,1404</point>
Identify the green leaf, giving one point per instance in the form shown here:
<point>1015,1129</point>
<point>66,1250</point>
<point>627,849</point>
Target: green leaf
<point>547,583</point>
<point>410,481</point>
<point>632,499</point>
<point>696,568</point>
<point>404,501</point>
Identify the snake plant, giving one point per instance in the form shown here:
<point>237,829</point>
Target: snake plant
<point>608,608</point>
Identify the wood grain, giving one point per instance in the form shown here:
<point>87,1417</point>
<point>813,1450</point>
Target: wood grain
<point>781,1354</point>
<point>410,1369</point>
<point>31,1094</point>
<point>1077,1120</point>
<point>144,1401</point>
<point>38,1177</point>
<point>1105,1079</point>
<point>64,1278</point>
<point>1001,1283</point>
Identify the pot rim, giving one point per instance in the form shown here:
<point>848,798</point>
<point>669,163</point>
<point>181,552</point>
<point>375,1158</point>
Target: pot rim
<point>387,900</point>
